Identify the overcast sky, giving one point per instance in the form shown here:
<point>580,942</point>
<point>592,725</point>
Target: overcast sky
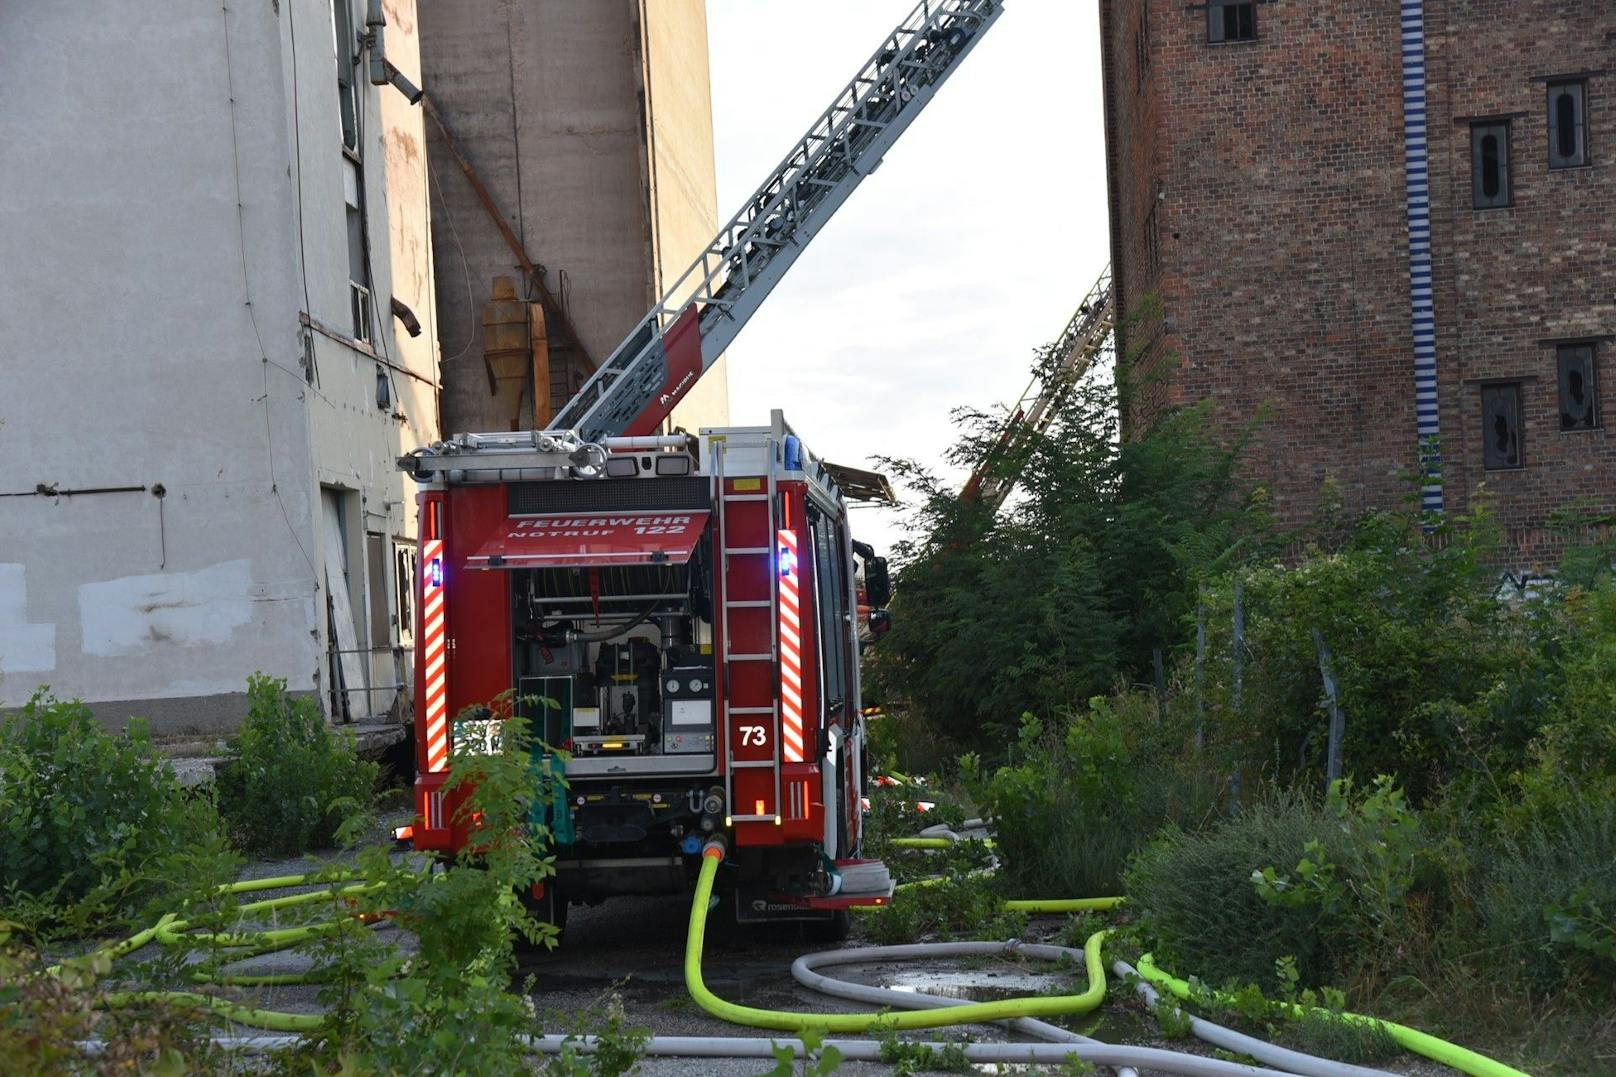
<point>969,247</point>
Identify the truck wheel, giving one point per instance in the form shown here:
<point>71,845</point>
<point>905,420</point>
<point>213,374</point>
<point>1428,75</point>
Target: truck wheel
<point>549,909</point>
<point>836,929</point>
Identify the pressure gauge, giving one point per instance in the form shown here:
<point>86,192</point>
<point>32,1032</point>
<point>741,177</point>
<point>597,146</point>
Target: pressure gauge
<point>673,684</point>
<point>695,684</point>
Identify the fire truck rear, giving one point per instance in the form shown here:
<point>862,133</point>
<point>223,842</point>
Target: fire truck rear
<point>676,617</point>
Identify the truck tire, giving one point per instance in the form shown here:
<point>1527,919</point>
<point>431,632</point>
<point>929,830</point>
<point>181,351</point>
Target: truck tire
<point>836,929</point>
<point>549,909</point>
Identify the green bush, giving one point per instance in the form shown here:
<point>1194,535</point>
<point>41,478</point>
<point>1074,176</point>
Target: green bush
<point>290,780</point>
<point>1436,677</point>
<point>1081,796</point>
<point>1546,899</point>
<point>1334,890</point>
<point>88,819</point>
<point>1195,896</point>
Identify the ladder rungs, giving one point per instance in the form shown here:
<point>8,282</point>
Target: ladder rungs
<point>750,710</point>
<point>754,818</point>
<point>745,549</point>
<point>746,497</point>
<point>749,658</point>
<point>748,604</point>
<point>750,763</point>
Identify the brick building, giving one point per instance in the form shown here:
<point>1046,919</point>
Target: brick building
<point>1387,226</point>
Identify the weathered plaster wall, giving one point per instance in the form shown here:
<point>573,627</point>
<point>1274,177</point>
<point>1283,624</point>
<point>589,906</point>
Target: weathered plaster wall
<point>155,339</point>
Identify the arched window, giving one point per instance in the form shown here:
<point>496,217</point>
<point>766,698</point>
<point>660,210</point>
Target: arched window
<point>1568,129</point>
<point>1489,164</point>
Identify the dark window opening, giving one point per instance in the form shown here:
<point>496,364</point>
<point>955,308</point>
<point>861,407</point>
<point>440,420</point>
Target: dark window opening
<point>1489,165</point>
<point>1501,426</point>
<point>1568,129</point>
<point>404,588</point>
<point>1579,388</point>
<point>1231,20</point>
<point>347,95</point>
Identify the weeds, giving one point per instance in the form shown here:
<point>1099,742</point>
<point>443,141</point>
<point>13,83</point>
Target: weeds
<point>290,780</point>
<point>819,1059</point>
<point>907,1058</point>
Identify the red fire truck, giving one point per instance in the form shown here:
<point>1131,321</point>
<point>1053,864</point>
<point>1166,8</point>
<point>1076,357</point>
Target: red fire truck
<point>678,613</point>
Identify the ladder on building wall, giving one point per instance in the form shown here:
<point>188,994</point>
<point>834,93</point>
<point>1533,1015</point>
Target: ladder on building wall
<point>1086,336</point>
<point>638,385</point>
<point>726,657</point>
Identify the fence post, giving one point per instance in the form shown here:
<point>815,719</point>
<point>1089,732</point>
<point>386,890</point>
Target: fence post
<point>1338,721</point>
<point>1238,687</point>
<point>1239,645</point>
<point>1200,676</point>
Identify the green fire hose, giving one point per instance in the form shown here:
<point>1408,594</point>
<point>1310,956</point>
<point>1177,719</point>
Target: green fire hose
<point>1410,1039</point>
<point>967,1013</point>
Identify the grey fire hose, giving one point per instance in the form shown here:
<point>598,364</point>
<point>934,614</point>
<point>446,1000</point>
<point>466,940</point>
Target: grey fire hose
<point>1304,1065</point>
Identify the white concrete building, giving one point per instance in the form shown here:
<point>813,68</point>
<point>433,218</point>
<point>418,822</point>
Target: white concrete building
<point>215,230</point>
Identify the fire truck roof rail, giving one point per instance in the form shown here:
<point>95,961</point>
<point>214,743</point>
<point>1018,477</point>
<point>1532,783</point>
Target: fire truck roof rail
<point>560,454</point>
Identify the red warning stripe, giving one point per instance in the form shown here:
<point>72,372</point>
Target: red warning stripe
<point>790,649</point>
<point>434,640</point>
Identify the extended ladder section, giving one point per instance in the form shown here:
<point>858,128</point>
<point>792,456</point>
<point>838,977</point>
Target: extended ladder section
<point>683,335</point>
<point>738,508</point>
<point>1060,368</point>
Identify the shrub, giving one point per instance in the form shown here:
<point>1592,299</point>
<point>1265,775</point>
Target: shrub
<point>44,1016</point>
<point>445,1003</point>
<point>88,819</point>
<point>1082,795</point>
<point>1435,675</point>
<point>1196,899</point>
<point>290,780</point>
<point>1333,891</point>
<point>1547,899</point>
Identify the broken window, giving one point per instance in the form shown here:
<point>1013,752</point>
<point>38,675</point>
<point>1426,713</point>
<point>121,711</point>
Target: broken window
<point>1501,426</point>
<point>1568,130</point>
<point>404,588</point>
<point>358,257</point>
<point>1489,164</point>
<point>1231,20</point>
<point>1579,394</point>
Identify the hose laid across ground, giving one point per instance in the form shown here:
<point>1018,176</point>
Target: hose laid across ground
<point>170,931</point>
<point>966,1013</point>
<point>1410,1039</point>
<point>1303,1065</point>
<point>921,1011</point>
